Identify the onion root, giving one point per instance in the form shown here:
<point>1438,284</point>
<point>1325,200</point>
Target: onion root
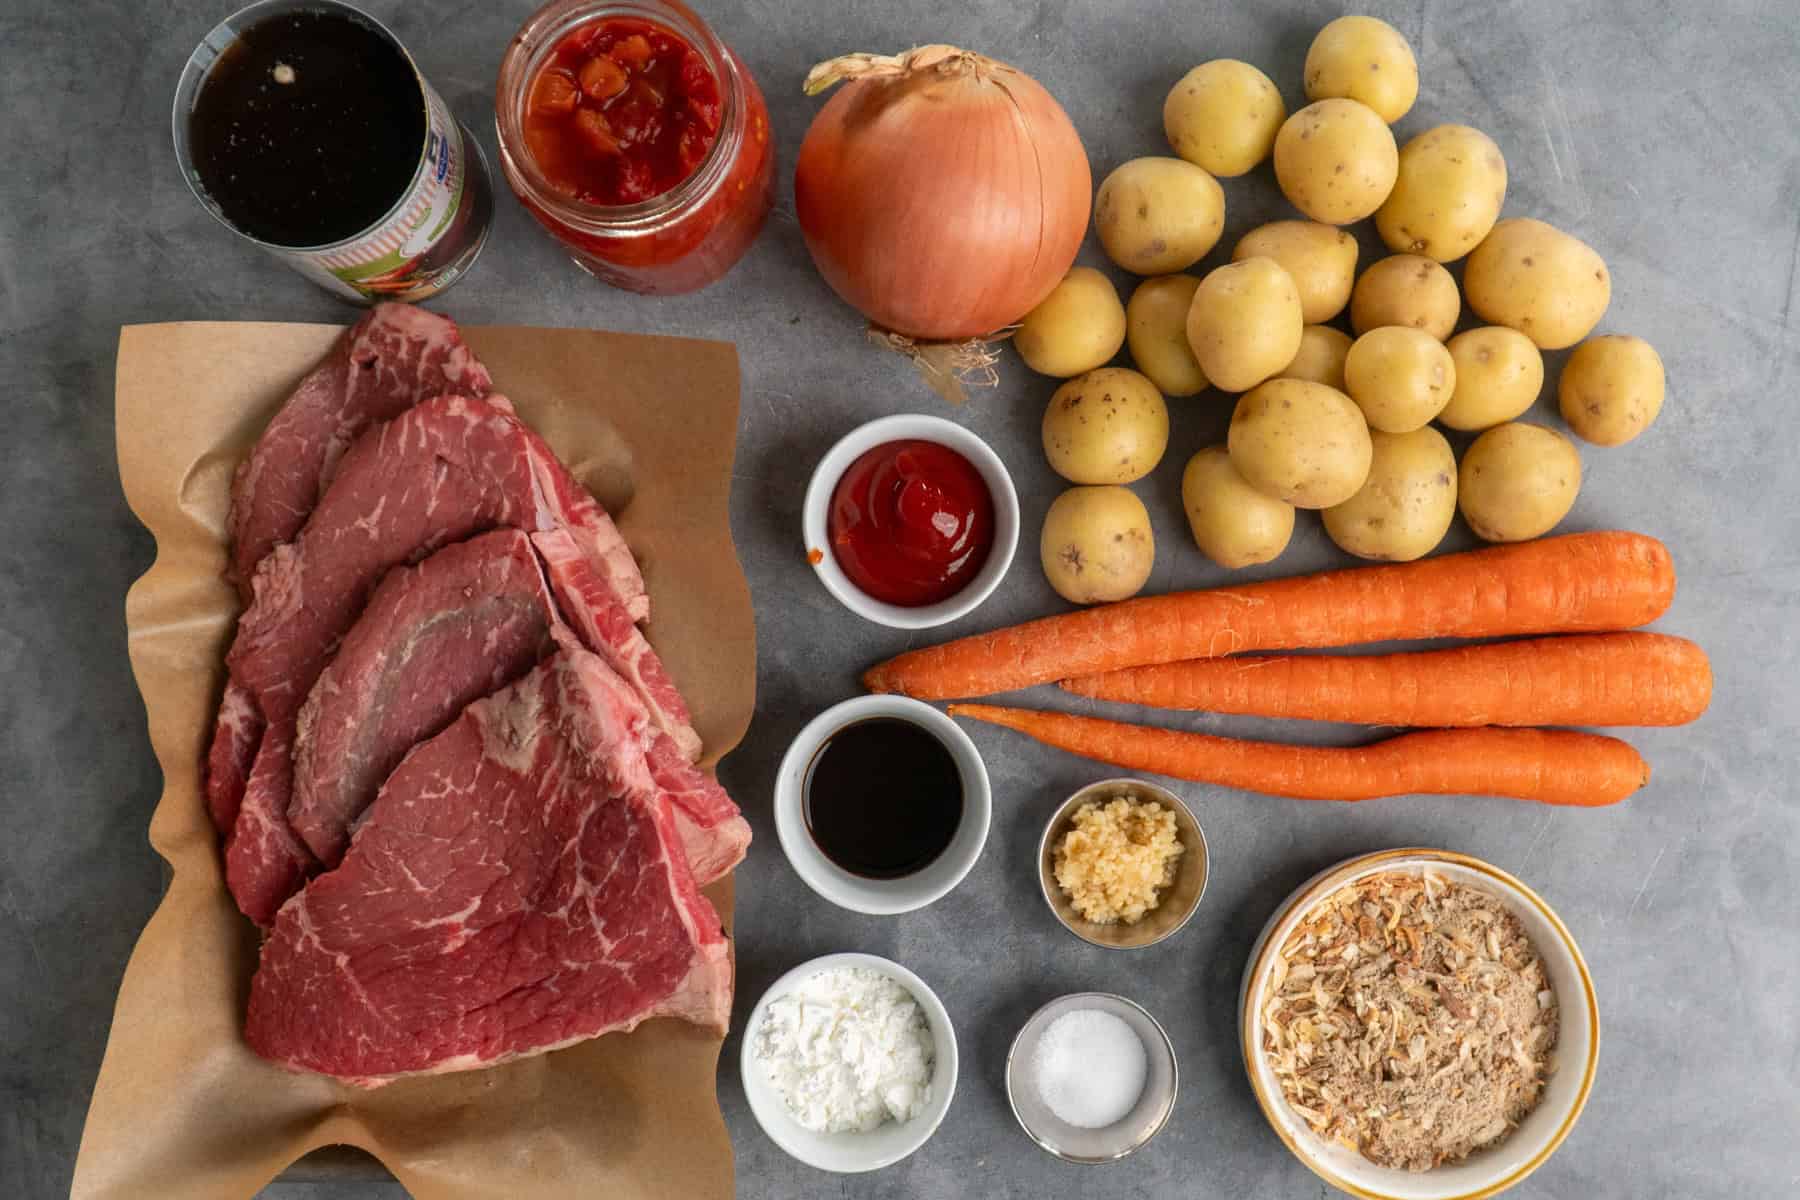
<point>949,368</point>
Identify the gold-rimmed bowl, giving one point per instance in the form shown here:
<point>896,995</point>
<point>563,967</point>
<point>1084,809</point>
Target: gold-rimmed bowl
<point>1177,902</point>
<point>1487,1172</point>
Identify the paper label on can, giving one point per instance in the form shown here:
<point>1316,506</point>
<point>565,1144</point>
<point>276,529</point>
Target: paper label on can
<point>392,260</point>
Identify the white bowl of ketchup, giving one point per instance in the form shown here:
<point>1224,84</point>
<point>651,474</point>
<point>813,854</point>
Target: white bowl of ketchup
<point>904,549</point>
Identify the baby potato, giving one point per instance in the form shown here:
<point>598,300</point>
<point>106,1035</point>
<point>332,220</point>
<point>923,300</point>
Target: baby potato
<point>1108,426</point>
<point>1244,324</point>
<point>1223,115</point>
<point>1405,289</point>
<point>1363,59</point>
<point>1336,161</point>
<point>1498,376</point>
<point>1535,278</point>
<point>1448,195</point>
<point>1234,524</point>
<point>1517,482</point>
<point>1300,442</point>
<point>1320,258</point>
<point>1405,508</point>
<point>1096,545</point>
<point>1079,326</point>
<point>1321,357</point>
<point>1157,215</point>
<point>1156,331</point>
<point>1399,377</point>
<point>1611,389</point>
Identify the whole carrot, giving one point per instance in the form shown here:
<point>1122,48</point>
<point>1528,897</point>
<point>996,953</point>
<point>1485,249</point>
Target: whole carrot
<point>1586,679</point>
<point>1578,583</point>
<point>1551,766</point>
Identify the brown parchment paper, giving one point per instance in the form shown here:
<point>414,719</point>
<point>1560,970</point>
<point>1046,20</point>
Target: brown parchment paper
<point>182,1108</point>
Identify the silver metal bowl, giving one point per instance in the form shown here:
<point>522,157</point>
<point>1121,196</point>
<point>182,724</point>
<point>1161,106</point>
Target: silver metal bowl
<point>1177,902</point>
<point>1071,1143</point>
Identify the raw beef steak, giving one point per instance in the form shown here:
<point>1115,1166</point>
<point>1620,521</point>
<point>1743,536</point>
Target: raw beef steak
<point>589,525</point>
<point>443,470</point>
<point>594,607</point>
<point>516,887</point>
<point>228,762</point>
<point>387,362</point>
<point>434,638</point>
<point>712,830</point>
<point>264,862</point>
<point>440,472</point>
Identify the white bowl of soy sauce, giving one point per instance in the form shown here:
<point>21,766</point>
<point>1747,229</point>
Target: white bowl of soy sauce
<point>882,804</point>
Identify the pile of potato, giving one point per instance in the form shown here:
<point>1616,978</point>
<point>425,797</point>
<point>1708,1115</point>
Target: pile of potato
<point>1324,420</point>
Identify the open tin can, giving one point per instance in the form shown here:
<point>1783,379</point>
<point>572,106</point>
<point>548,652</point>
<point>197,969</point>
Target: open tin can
<point>435,227</point>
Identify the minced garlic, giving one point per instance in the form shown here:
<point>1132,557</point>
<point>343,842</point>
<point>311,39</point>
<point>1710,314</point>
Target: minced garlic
<point>1116,858</point>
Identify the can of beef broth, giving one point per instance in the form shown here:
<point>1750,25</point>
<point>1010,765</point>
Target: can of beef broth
<point>305,127</point>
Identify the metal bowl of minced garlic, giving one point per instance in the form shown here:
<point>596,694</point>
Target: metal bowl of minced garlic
<point>1122,863</point>
<point>1419,1025</point>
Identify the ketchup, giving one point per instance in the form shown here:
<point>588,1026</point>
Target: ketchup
<point>911,523</point>
<point>623,111</point>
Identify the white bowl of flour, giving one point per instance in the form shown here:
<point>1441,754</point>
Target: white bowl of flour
<point>849,1062</point>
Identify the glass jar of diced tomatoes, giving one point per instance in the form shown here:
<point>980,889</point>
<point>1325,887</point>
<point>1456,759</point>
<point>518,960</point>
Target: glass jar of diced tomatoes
<point>638,139</point>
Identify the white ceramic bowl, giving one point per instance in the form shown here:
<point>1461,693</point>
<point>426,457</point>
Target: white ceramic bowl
<point>881,897</point>
<point>1487,1172</point>
<point>851,1152</point>
<point>815,509</point>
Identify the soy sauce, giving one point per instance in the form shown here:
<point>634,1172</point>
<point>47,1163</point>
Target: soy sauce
<point>308,129</point>
<point>883,798</point>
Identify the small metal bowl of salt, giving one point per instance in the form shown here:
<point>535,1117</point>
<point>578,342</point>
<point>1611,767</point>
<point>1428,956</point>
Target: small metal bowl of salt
<point>1091,1077</point>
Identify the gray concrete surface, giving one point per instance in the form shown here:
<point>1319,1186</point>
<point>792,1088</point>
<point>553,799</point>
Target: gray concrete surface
<point>1663,132</point>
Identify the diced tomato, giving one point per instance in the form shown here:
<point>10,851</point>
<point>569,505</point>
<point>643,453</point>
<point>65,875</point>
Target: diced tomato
<point>637,122</point>
<point>637,181</point>
<point>624,110</point>
<point>703,110</point>
<point>544,139</point>
<point>554,92</point>
<point>633,51</point>
<point>595,132</point>
<point>644,93</point>
<point>648,130</point>
<point>585,41</point>
<point>694,78</point>
<point>602,78</point>
<point>545,146</point>
<point>692,145</point>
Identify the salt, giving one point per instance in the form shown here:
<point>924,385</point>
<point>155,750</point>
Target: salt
<point>1090,1068</point>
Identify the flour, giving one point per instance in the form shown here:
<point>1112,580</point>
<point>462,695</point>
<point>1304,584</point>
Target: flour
<point>848,1050</point>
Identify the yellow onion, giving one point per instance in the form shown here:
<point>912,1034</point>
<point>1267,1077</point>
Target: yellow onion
<point>941,193</point>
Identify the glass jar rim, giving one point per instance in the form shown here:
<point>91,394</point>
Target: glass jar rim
<point>198,68</point>
<point>526,54</point>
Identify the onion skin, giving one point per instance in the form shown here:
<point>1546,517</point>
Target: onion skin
<point>941,194</point>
